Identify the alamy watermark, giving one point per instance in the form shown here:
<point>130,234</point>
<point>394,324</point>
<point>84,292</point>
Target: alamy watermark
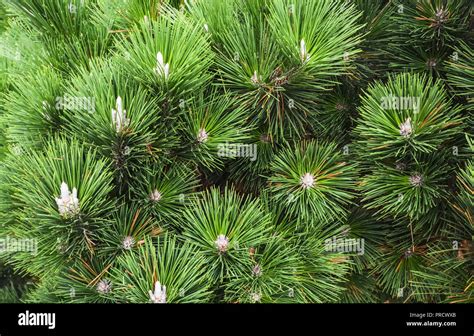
<point>237,150</point>
<point>75,103</point>
<point>349,245</point>
<point>11,244</point>
<point>392,102</point>
<point>9,53</point>
<point>37,319</point>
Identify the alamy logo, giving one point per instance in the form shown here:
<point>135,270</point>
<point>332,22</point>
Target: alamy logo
<point>233,150</point>
<point>74,103</point>
<point>37,319</point>
<point>350,245</point>
<point>12,244</point>
<point>392,102</point>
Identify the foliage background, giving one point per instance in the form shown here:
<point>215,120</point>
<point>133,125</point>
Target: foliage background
<point>303,83</point>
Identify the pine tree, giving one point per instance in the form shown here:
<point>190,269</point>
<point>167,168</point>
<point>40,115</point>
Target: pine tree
<point>284,151</point>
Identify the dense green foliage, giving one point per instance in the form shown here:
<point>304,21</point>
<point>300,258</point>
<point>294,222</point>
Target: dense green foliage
<point>274,151</point>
